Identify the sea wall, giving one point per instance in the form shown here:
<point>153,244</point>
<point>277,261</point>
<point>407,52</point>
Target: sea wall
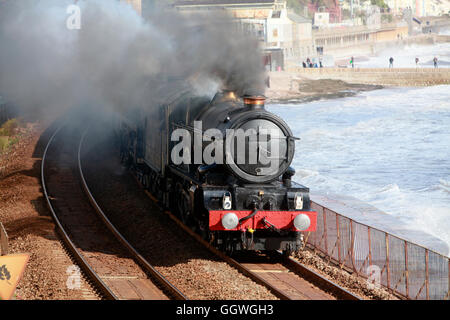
<point>405,77</point>
<point>376,246</point>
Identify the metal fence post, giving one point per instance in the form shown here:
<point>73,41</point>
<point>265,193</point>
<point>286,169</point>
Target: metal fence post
<point>406,269</point>
<point>427,280</point>
<point>352,251</point>
<point>370,246</point>
<point>325,229</point>
<point>388,273</point>
<point>316,234</point>
<point>3,241</point>
<point>338,238</point>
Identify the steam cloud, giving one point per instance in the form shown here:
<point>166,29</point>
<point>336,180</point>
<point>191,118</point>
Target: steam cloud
<point>117,59</point>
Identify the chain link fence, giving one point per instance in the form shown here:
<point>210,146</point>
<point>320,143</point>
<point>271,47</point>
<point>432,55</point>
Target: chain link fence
<point>407,269</point>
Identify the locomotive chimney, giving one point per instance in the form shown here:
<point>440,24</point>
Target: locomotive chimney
<point>254,100</point>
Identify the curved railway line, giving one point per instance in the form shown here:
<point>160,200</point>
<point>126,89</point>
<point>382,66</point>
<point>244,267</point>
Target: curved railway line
<point>117,270</point>
<point>111,264</point>
<point>286,278</point>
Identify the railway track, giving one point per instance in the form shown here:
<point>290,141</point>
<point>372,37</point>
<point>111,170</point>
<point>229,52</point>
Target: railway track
<point>115,269</point>
<point>284,277</point>
<point>292,279</point>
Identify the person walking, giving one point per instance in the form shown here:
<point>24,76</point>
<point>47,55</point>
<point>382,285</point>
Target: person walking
<point>417,62</point>
<point>391,62</point>
<point>435,62</point>
<point>352,62</point>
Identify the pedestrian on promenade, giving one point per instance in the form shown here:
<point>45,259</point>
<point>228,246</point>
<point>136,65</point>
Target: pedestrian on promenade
<point>391,62</point>
<point>352,62</point>
<point>304,64</point>
<point>320,63</point>
<point>435,62</point>
<point>417,62</point>
<point>308,62</point>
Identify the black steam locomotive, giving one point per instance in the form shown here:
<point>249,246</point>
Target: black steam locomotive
<point>242,198</point>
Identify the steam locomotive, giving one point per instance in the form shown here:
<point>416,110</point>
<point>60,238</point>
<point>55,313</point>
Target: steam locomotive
<point>235,201</point>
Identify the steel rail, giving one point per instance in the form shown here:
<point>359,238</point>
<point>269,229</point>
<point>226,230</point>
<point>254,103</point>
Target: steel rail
<point>318,279</point>
<point>293,265</point>
<point>244,270</point>
<point>85,266</point>
<point>160,279</point>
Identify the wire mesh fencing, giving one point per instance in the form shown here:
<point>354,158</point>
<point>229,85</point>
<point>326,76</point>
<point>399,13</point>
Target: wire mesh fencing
<point>405,268</point>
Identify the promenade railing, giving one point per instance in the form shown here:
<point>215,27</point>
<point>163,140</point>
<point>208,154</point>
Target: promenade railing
<point>407,269</point>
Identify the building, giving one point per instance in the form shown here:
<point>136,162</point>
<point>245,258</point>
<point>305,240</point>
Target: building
<point>321,19</point>
<point>432,7</point>
<point>278,28</point>
<point>289,32</point>
<point>357,40</point>
<point>332,7</point>
<point>420,8</point>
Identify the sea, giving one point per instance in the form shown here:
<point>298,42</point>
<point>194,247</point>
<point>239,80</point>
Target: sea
<point>387,147</point>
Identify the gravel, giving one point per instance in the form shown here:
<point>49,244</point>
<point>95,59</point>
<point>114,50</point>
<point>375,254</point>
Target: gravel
<point>350,282</point>
<point>183,261</point>
<point>30,228</point>
<point>189,266</point>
